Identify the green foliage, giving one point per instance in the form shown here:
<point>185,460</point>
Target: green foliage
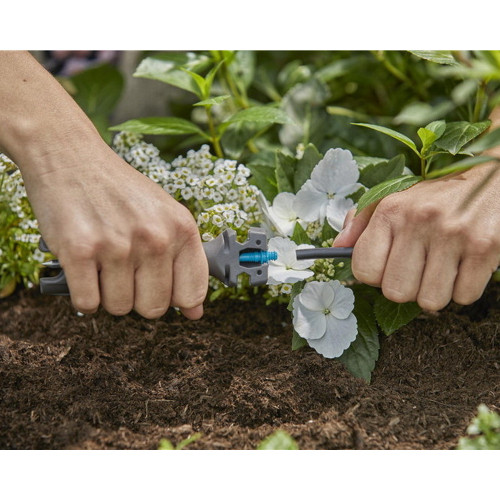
<point>362,354</point>
<point>97,92</point>
<point>278,440</point>
<point>166,444</point>
<point>386,188</point>
<point>392,316</point>
<point>483,432</point>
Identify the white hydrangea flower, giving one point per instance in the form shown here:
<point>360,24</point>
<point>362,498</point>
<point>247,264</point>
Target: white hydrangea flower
<point>322,314</point>
<point>286,268</point>
<point>335,176</point>
<point>281,214</point>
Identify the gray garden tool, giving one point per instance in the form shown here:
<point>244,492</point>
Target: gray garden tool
<point>227,259</point>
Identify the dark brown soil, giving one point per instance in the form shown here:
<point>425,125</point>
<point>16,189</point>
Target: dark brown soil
<point>103,382</point>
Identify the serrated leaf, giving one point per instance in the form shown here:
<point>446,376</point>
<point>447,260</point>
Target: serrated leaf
<point>374,174</point>
<point>391,316</point>
<point>156,125</point>
<point>386,188</point>
<point>436,56</point>
<point>457,134</point>
<point>391,133</point>
<point>362,354</point>
<point>279,440</point>
<point>305,166</point>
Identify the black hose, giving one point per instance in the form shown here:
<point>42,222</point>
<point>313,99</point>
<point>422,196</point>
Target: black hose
<point>324,253</point>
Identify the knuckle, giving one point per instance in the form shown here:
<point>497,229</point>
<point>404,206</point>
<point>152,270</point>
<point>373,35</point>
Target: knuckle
<point>454,230</point>
<point>74,250</point>
<point>425,213</point>
<point>366,276</point>
<point>118,250</point>
<point>397,295</point>
<point>483,246</point>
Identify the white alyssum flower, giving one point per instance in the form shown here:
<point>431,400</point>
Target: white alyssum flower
<point>286,268</point>
<point>334,177</point>
<point>322,314</point>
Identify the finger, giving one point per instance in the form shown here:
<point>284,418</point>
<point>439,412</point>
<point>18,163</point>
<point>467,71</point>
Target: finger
<point>153,287</point>
<point>117,287</point>
<point>474,273</point>
<point>371,252</point>
<point>404,270</point>
<point>83,283</point>
<point>354,226</point>
<point>190,282</point>
<point>438,280</point>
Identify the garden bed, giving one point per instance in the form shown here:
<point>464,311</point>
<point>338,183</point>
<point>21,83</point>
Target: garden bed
<point>103,382</point>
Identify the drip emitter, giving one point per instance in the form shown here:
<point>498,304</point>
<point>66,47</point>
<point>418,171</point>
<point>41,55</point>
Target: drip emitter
<point>227,259</point>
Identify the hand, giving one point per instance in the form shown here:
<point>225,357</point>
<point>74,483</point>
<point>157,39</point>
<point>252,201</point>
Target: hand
<point>121,239</point>
<point>437,241</point>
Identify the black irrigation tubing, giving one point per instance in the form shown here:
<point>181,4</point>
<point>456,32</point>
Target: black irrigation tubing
<point>324,253</point>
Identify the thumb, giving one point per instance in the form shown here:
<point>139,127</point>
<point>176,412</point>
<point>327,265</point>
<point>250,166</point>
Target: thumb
<point>354,226</point>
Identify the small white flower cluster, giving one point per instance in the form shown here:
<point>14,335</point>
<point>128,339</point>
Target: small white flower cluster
<point>216,191</point>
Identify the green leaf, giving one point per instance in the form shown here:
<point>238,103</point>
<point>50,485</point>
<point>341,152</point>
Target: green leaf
<point>419,113</point>
<point>285,168</point>
<point>166,72</point>
<point>436,56</point>
<point>487,141</point>
<point>264,177</point>
<point>297,341</point>
<point>299,235</point>
<point>296,289</point>
<point>460,165</point>
<point>457,134</point>
<point>279,440</point>
<point>391,316</point>
<point>98,89</point>
<point>362,354</point>
<point>374,174</point>
<point>386,188</point>
<point>259,114</point>
<point>160,126</point>
<point>305,166</point>
<point>391,133</point>
<point>212,100</point>
<point>430,133</point>
<point>201,83</point>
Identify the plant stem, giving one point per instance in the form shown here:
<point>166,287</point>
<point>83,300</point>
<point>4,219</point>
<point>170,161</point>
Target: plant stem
<point>213,133</point>
<point>423,167</point>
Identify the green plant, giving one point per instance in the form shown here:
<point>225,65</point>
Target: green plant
<point>166,444</point>
<point>278,440</point>
<point>483,432</point>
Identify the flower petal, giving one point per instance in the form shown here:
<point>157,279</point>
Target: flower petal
<point>336,170</point>
<point>336,211</point>
<point>279,274</point>
<point>343,302</point>
<point>308,324</point>
<point>339,335</point>
<point>317,296</point>
<point>310,203</point>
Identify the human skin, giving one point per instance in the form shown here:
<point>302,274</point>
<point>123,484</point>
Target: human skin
<point>434,242</point>
<point>122,240</point>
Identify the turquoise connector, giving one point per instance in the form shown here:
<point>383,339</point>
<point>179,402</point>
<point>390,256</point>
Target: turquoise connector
<point>259,257</point>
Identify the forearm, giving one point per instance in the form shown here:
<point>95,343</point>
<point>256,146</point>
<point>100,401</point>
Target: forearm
<point>37,116</point>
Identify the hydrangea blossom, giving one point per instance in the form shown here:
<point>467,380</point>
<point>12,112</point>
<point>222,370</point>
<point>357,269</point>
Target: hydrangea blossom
<point>322,314</point>
<point>324,194</point>
<point>286,268</point>
<point>280,216</point>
